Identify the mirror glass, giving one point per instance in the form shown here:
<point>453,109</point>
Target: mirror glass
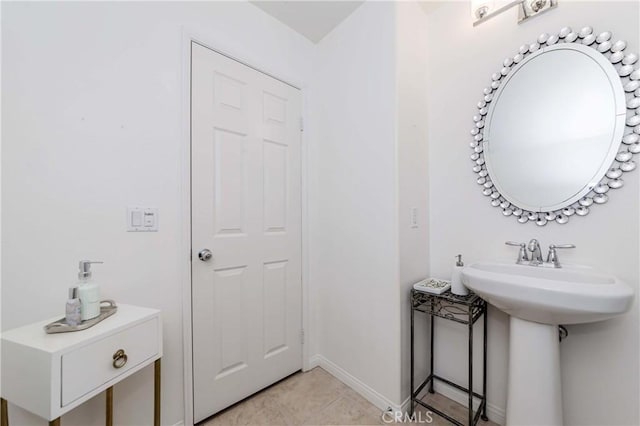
<point>554,127</point>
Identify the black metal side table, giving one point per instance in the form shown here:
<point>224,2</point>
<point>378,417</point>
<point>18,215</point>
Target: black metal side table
<point>464,310</point>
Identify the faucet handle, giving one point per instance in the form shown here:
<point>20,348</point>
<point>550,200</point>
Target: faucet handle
<point>552,257</point>
<point>513,243</point>
<point>562,246</point>
<point>522,253</point>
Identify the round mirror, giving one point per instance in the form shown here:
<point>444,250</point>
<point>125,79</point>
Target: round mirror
<point>547,139</point>
<point>554,127</point>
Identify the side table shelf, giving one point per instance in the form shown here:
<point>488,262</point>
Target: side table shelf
<point>464,310</point>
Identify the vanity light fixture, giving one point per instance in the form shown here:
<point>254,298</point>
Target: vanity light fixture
<point>483,10</point>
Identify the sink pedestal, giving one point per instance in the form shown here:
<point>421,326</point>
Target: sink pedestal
<point>534,391</point>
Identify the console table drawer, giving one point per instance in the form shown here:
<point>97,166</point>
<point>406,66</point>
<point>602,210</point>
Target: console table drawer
<point>91,366</point>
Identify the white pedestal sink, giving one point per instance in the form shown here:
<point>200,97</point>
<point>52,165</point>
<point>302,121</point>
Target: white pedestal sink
<point>538,299</point>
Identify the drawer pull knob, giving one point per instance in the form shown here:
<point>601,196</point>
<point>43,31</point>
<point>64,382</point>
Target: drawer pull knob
<point>119,359</point>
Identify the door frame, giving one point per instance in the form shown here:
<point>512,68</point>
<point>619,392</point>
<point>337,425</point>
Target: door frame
<point>190,35</point>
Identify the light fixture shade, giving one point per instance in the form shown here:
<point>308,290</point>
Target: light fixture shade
<point>481,8</point>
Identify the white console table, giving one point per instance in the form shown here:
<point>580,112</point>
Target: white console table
<point>50,374</point>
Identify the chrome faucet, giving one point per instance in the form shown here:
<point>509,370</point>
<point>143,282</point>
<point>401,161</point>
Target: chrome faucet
<point>536,253</point>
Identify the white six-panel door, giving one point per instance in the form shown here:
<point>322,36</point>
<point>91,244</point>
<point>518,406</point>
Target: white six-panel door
<point>246,209</point>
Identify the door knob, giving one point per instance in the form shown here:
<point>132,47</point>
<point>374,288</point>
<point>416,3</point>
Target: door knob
<point>205,254</point>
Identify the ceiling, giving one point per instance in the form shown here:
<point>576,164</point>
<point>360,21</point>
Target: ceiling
<point>312,19</point>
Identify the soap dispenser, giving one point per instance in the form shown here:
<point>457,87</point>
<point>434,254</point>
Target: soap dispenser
<point>456,278</point>
<point>88,291</point>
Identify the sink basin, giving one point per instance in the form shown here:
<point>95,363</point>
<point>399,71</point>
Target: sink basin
<point>567,295</point>
<point>538,299</point>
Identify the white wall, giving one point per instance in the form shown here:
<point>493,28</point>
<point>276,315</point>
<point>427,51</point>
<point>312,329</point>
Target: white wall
<point>91,102</point>
<point>599,361</point>
<point>413,174</point>
<point>352,200</point>
<point>91,113</point>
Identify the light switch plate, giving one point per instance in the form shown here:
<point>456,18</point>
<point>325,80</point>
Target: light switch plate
<point>142,219</point>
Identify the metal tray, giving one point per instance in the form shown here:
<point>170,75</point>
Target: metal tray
<point>107,308</point>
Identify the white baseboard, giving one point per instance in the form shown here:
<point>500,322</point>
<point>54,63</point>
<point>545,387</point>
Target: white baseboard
<point>313,362</point>
<point>405,405</point>
<point>368,393</point>
<point>180,423</point>
<point>496,414</point>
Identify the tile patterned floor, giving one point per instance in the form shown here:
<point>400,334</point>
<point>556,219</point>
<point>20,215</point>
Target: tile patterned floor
<point>317,398</point>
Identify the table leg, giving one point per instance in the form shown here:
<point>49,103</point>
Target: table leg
<point>55,422</point>
<point>432,320</point>
<point>156,392</point>
<point>411,403</point>
<point>470,367</point>
<point>484,366</point>
<point>109,406</point>
<point>5,414</point>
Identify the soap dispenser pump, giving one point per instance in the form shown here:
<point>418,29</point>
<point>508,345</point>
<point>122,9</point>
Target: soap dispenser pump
<point>88,291</point>
<point>456,278</point>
